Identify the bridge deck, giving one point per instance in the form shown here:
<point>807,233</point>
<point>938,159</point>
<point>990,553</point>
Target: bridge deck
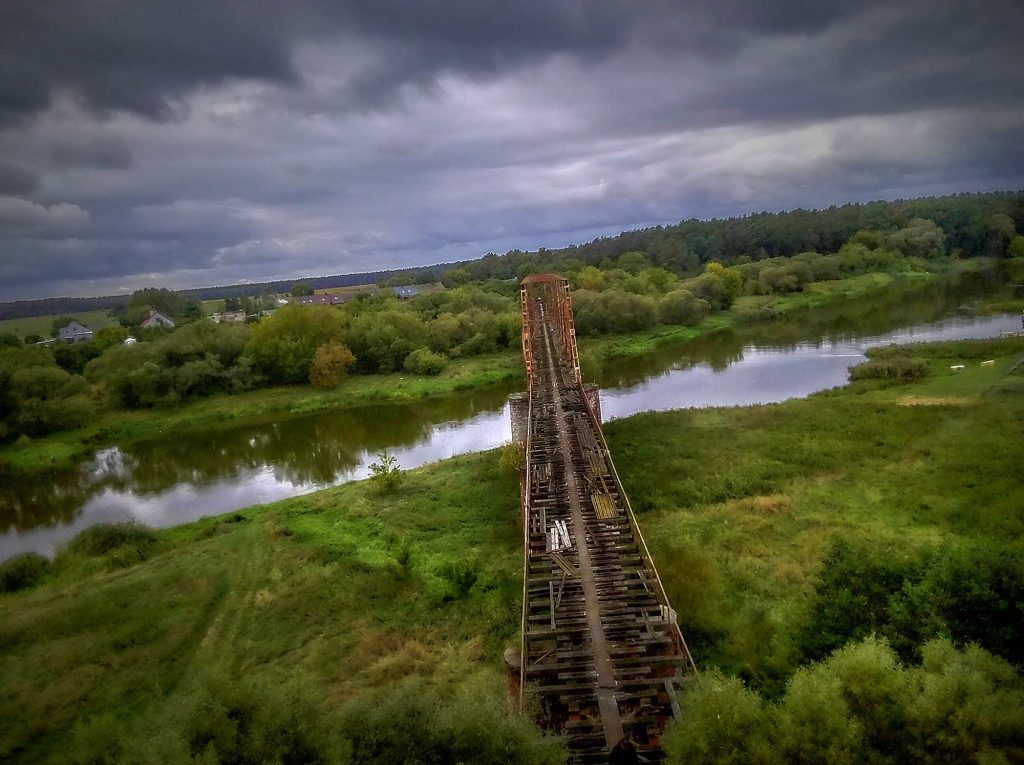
<point>601,647</point>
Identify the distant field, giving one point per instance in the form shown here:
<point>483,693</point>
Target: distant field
<point>355,288</point>
<point>212,306</point>
<point>40,325</point>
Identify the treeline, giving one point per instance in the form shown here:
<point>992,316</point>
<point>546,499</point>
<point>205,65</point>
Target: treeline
<point>976,225</point>
<point>43,390</point>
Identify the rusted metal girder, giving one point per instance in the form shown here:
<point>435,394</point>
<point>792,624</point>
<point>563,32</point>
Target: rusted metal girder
<point>601,648</point>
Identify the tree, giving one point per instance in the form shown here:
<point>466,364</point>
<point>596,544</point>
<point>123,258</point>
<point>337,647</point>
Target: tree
<point>330,365</point>
<point>300,289</point>
<point>681,307</point>
<point>166,301</point>
<point>193,311</point>
<point>59,323</point>
<point>1016,247</point>
<point>455,277</point>
<point>921,239</point>
<point>633,262</point>
<point>282,347</point>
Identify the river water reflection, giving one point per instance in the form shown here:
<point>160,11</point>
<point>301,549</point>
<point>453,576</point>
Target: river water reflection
<point>163,482</point>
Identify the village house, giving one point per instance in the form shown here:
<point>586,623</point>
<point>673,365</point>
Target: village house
<point>230,317</point>
<point>74,333</point>
<point>409,291</point>
<point>156,319</point>
<point>323,299</point>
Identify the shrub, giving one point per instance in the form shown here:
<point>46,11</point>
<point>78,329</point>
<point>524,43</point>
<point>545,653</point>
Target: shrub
<point>901,368</point>
<point>105,537</point>
<point>330,365</point>
<point>220,719</point>
<point>413,722</point>
<point>22,571</point>
<point>860,705</point>
<point>386,473</point>
<point>424,362</point>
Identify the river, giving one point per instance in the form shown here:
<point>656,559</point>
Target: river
<point>163,482</point>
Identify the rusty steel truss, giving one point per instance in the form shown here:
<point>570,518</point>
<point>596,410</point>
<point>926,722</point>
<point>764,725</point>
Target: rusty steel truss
<point>602,654</point>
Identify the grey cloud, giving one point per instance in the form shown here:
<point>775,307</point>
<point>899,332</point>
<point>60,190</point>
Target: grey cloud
<point>210,143</point>
<point>16,179</point>
<point>105,153</point>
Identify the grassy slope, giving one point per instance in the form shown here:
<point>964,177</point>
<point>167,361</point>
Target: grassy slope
<point>40,325</point>
<point>746,500</point>
<point>313,585</point>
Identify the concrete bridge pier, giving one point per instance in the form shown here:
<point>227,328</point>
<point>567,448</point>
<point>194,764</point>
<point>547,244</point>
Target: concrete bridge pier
<point>519,411</point>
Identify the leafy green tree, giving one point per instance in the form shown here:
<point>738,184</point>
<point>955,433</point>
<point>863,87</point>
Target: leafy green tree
<point>633,262</point>
<point>109,337</point>
<point>681,307</point>
<point>165,301</point>
<point>330,365</point>
<point>59,323</point>
<point>1015,249</point>
<point>722,723</point>
<point>455,277</point>
<point>283,346</point>
<point>299,289</point>
<point>921,238</point>
<point>731,280</point>
<point>192,311</point>
<point>382,340</point>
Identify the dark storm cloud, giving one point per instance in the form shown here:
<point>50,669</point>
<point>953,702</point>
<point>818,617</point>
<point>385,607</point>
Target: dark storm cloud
<point>140,55</point>
<point>16,179</point>
<point>190,143</point>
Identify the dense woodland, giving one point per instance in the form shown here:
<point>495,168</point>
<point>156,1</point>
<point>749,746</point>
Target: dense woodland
<point>665,276</point>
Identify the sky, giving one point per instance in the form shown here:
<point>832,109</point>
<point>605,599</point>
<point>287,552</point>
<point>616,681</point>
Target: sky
<point>202,142</point>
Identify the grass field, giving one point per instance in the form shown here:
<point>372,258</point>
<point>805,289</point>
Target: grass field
<point>41,325</point>
<point>356,594</point>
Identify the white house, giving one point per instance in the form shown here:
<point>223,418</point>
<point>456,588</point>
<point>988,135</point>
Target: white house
<point>156,319</point>
<point>74,333</point>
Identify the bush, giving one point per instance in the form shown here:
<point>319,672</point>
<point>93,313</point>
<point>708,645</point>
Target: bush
<point>424,362</point>
<point>330,365</point>
<point>860,705</point>
<point>220,719</point>
<point>413,722</point>
<point>22,571</point>
<point>901,368</point>
<point>386,473</point>
<point>105,537</point>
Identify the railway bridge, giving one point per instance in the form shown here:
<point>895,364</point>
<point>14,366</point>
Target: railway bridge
<point>601,651</point>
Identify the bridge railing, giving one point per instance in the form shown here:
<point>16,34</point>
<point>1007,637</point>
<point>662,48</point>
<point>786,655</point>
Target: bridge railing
<point>659,593</point>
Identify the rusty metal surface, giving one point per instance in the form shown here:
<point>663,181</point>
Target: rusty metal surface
<point>602,653</point>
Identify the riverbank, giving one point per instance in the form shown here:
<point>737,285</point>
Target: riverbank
<point>65,449</point>
<point>368,597</point>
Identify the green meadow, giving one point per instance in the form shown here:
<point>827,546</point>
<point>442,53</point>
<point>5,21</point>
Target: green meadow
<point>864,538</point>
